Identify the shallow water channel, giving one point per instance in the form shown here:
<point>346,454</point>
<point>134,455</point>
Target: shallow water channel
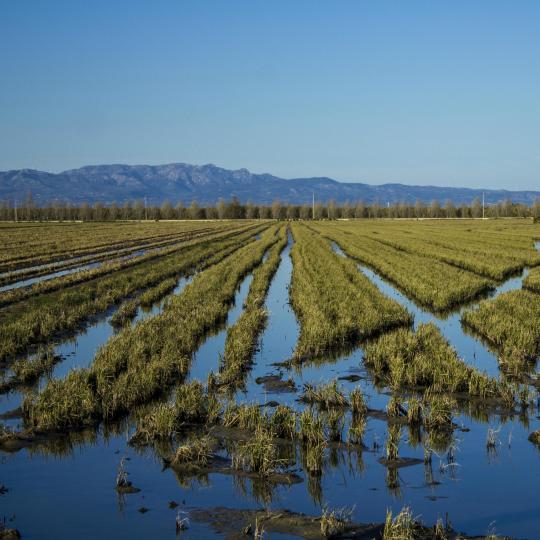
<point>103,259</point>
<point>79,351</point>
<point>469,347</point>
<point>61,492</point>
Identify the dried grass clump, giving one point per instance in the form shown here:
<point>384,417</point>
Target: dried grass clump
<point>258,455</point>
<point>325,396</point>
<point>196,451</point>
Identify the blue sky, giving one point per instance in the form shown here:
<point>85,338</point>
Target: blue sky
<point>430,92</point>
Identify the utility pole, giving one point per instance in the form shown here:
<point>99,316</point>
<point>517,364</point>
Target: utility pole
<point>483,205</point>
<point>313,207</point>
<point>145,209</point>
<point>15,210</point>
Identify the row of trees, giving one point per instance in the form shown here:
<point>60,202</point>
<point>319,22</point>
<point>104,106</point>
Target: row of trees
<point>233,209</point>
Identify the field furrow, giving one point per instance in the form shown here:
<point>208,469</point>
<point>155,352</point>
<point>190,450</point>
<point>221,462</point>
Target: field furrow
<point>143,360</point>
<point>336,305</point>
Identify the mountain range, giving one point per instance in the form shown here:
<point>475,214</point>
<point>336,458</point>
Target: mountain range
<point>208,183</point>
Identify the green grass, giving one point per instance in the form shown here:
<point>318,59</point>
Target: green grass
<point>141,361</point>
<point>50,285</point>
<point>423,359</point>
<point>336,305</point>
<point>325,395</point>
<point>511,322</point>
<point>242,337</point>
<point>40,318</point>
<point>532,281</point>
<point>432,283</point>
<point>27,370</point>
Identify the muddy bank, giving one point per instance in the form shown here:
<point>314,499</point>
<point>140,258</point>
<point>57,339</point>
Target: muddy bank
<point>275,384</point>
<point>237,524</point>
<point>9,534</point>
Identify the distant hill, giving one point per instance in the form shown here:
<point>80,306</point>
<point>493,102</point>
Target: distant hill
<point>207,183</point>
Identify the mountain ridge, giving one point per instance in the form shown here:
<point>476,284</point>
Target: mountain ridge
<point>207,183</point>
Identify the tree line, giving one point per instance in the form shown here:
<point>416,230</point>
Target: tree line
<point>234,209</point>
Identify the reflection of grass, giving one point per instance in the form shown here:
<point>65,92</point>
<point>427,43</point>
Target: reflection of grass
<point>357,430</point>
<point>394,408</point>
<point>334,425</point>
<point>357,402</point>
<point>312,456</point>
<point>414,411</point>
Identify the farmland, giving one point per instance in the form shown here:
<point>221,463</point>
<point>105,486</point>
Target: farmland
<point>352,372</point>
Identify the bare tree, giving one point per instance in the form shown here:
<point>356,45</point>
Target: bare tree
<point>359,209</point>
<point>449,209</point>
<point>476,208</point>
<point>194,210</point>
<point>536,208</point>
<point>434,209</point>
<point>221,208</point>
<point>251,210</point>
<point>180,210</point>
<point>331,208</point>
<point>166,210</point>
<point>138,209</point>
<point>305,211</point>
<point>276,209</point>
<point>126,210</point>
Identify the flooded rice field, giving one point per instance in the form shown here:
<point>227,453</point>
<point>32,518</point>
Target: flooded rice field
<point>481,474</point>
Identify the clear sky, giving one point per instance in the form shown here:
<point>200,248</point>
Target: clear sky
<point>434,92</point>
